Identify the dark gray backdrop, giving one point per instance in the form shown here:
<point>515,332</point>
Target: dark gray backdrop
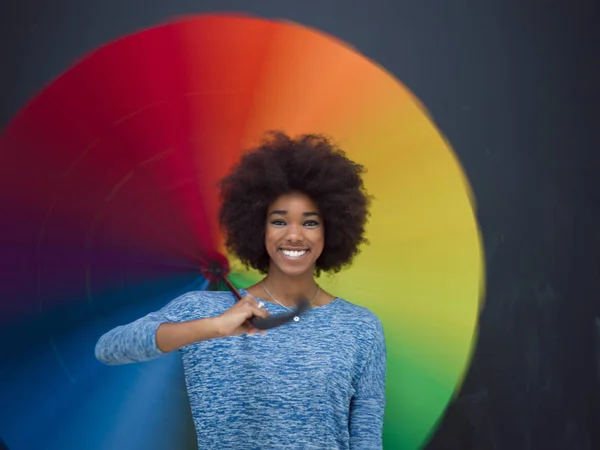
<point>515,89</point>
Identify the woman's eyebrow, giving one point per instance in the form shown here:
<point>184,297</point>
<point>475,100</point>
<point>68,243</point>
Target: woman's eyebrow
<point>282,212</point>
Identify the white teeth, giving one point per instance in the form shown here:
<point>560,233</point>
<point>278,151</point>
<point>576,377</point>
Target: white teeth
<point>294,253</point>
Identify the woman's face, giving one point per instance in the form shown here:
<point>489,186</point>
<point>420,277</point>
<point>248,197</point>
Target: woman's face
<point>294,235</point>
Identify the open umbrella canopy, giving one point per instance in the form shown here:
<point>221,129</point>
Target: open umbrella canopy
<point>109,208</point>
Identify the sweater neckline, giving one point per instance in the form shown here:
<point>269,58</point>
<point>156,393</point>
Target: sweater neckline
<point>277,306</point>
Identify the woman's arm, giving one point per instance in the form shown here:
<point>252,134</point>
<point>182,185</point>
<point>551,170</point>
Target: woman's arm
<point>150,336</point>
<point>166,330</point>
<point>368,404</point>
<point>173,336</point>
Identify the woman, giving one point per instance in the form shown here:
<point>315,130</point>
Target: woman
<point>291,209</point>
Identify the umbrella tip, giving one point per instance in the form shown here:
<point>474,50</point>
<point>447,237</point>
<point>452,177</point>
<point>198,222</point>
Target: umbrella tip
<point>215,268</point>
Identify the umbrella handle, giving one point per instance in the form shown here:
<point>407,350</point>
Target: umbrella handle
<point>232,288</point>
<point>274,320</point>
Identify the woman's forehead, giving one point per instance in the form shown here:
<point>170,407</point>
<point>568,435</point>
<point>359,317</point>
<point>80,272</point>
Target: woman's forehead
<point>294,202</point>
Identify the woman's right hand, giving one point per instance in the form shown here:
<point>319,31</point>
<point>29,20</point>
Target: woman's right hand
<point>236,320</point>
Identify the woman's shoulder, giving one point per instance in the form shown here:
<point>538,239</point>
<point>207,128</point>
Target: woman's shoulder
<point>348,307</point>
<point>361,316</point>
<point>198,304</point>
<point>362,328</point>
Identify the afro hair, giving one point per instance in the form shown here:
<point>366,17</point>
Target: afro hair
<point>312,165</point>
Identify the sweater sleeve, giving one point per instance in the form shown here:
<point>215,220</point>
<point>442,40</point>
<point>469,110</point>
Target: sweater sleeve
<point>136,341</point>
<point>368,404</point>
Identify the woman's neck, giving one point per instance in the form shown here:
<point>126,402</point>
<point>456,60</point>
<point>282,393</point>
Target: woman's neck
<point>288,290</point>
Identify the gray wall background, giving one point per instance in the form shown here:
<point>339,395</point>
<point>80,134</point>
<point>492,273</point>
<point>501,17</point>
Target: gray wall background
<point>514,86</point>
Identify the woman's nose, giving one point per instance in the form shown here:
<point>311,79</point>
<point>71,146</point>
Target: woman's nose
<point>294,233</point>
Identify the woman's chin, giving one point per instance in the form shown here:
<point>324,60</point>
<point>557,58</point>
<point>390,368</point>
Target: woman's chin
<point>296,272</point>
<point>293,270</point>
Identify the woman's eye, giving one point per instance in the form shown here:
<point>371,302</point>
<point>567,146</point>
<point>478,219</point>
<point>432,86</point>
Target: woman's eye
<point>278,223</point>
<point>311,223</point>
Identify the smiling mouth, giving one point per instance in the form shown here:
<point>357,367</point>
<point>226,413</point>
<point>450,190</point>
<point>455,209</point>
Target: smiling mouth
<point>294,253</point>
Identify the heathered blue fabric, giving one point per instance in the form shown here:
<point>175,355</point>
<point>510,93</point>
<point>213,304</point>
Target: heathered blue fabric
<point>314,384</point>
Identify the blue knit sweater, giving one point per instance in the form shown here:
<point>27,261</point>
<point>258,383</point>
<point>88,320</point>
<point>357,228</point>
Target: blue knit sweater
<point>318,383</point>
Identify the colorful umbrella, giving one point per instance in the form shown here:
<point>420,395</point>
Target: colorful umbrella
<point>109,205</point>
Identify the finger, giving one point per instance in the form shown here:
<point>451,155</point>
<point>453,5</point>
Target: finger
<point>259,312</point>
<point>245,327</point>
<point>249,298</point>
<point>253,301</point>
<point>252,331</point>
